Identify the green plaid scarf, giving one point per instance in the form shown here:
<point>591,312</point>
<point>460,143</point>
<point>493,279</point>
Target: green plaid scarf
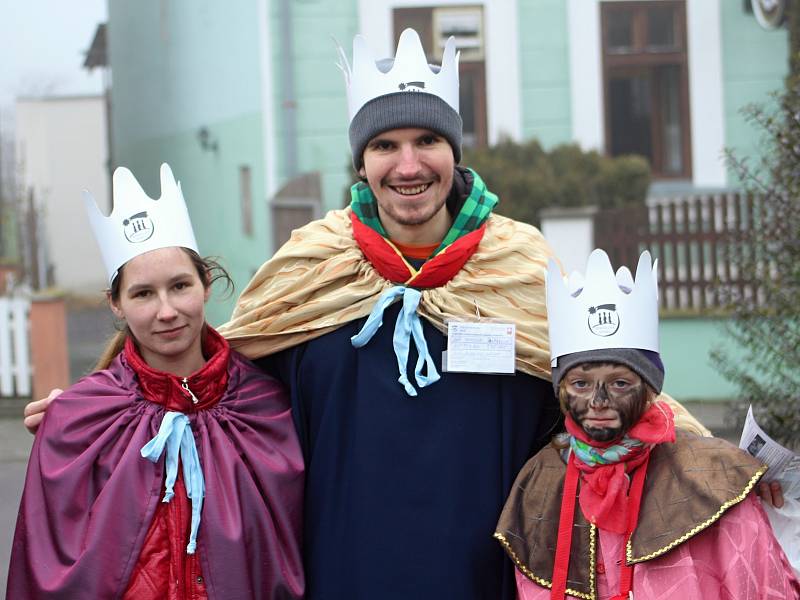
<point>476,209</point>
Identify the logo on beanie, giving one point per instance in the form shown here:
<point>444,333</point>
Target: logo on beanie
<point>411,84</point>
<point>138,227</point>
<point>603,319</point>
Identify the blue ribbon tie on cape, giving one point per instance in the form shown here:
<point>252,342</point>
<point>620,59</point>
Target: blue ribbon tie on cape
<point>407,326</point>
<point>175,434</point>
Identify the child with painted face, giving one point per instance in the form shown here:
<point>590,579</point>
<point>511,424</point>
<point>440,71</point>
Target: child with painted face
<point>605,399</point>
<point>624,504</point>
<point>174,470</point>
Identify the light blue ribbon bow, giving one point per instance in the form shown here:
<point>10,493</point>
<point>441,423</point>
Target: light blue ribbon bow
<point>176,434</point>
<point>407,325</point>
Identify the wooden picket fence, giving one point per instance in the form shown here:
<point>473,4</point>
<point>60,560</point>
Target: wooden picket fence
<point>697,240</point>
<point>15,367</point>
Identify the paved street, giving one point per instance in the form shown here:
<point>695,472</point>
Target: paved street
<point>15,444</point>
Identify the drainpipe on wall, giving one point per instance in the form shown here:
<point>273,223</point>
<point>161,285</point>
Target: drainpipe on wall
<point>287,84</point>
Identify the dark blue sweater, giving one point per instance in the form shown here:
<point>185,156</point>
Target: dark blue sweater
<point>403,493</point>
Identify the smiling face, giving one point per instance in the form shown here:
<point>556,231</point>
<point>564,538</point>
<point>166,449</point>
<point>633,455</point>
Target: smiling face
<point>410,172</point>
<point>605,400</point>
<point>162,299</point>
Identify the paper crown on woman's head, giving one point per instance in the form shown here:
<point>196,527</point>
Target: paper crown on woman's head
<point>601,309</point>
<point>138,223</point>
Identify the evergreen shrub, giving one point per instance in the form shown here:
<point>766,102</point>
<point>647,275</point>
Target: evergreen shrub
<point>528,178</point>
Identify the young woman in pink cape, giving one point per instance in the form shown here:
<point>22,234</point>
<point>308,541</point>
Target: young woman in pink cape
<point>172,471</point>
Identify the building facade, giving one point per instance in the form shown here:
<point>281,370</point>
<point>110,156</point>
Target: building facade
<point>246,103</point>
<point>61,149</point>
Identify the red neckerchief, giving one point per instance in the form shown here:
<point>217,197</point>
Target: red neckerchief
<point>604,488</point>
<point>391,265</point>
<point>207,384</point>
<point>606,492</point>
<point>564,543</point>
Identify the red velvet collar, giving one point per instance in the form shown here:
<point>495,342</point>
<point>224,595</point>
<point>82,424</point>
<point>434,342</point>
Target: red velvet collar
<point>207,384</point>
<point>391,265</point>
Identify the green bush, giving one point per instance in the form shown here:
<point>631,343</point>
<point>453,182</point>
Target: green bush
<point>528,178</point>
<point>766,324</point>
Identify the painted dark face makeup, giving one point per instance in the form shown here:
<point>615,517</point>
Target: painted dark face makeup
<point>606,400</point>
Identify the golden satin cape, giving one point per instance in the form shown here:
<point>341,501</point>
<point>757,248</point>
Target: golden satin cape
<point>319,280</point>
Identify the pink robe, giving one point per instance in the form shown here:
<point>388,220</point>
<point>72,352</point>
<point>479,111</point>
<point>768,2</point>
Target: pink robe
<point>737,558</point>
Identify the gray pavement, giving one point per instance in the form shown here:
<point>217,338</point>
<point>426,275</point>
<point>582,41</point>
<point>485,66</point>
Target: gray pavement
<point>15,445</point>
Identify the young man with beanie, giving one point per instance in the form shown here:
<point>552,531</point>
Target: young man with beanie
<point>407,466</point>
<point>623,505</point>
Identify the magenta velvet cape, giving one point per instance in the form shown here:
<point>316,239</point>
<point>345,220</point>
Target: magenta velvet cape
<point>90,497</point>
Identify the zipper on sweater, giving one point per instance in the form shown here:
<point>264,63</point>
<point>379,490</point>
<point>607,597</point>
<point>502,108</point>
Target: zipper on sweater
<point>185,385</point>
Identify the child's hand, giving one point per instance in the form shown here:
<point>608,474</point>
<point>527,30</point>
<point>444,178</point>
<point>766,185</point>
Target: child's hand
<point>771,493</point>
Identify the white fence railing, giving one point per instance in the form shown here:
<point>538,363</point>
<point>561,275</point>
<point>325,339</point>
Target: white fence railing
<point>15,367</point>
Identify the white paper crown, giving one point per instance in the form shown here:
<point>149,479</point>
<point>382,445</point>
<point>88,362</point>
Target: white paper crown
<point>138,223</point>
<point>602,309</point>
<point>410,72</point>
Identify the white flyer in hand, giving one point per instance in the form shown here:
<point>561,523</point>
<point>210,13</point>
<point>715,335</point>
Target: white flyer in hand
<point>480,347</point>
<point>784,465</point>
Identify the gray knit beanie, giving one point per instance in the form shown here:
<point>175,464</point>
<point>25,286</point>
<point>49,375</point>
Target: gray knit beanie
<point>400,110</point>
<point>645,363</point>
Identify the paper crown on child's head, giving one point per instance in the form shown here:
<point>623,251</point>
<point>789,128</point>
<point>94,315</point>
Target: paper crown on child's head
<point>404,92</point>
<point>602,309</point>
<point>138,223</point>
<point>409,72</point>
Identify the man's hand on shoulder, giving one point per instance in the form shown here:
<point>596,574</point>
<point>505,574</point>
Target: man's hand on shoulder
<point>34,411</point>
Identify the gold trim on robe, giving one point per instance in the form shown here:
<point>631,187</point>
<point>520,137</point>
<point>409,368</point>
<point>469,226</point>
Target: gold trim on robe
<point>689,486</point>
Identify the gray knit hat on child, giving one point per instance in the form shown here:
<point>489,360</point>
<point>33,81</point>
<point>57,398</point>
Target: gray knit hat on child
<point>645,363</point>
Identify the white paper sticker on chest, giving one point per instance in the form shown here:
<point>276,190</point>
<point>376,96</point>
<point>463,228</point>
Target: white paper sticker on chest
<point>480,347</point>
